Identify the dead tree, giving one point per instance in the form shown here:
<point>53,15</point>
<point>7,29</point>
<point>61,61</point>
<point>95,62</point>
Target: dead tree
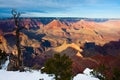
<point>16,16</point>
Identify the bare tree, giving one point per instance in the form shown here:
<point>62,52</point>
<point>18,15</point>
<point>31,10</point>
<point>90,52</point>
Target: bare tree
<point>16,16</point>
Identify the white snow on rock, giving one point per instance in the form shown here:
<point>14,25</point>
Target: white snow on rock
<point>87,71</point>
<point>85,76</point>
<point>4,66</point>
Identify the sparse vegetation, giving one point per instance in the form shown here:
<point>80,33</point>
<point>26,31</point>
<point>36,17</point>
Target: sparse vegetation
<point>116,74</point>
<point>3,58</point>
<point>101,73</point>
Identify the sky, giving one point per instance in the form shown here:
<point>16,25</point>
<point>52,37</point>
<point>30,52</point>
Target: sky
<point>62,8</point>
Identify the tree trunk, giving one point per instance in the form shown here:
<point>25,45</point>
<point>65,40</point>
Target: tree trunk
<point>19,62</point>
<point>19,56</point>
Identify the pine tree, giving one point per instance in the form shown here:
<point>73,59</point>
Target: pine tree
<point>60,66</point>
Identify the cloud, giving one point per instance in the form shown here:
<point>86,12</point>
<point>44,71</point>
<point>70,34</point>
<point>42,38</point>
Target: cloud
<point>58,7</point>
<point>34,5</point>
<point>30,3</point>
<point>55,14</point>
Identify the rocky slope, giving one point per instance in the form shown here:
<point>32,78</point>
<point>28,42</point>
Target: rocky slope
<point>86,42</point>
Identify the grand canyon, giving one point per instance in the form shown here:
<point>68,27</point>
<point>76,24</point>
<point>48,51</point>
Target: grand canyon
<point>89,42</point>
<point>59,39</point>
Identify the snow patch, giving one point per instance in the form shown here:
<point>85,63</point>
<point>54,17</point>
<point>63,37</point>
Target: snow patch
<point>4,66</point>
<point>16,75</point>
<point>37,75</point>
<point>87,71</point>
<point>85,76</point>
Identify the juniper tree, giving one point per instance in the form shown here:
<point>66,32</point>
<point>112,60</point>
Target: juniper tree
<point>60,66</point>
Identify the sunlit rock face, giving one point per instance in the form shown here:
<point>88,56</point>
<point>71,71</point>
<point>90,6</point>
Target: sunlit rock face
<point>85,41</point>
<point>3,44</point>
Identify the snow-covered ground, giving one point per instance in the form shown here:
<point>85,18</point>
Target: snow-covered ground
<point>37,75</point>
<point>85,76</point>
